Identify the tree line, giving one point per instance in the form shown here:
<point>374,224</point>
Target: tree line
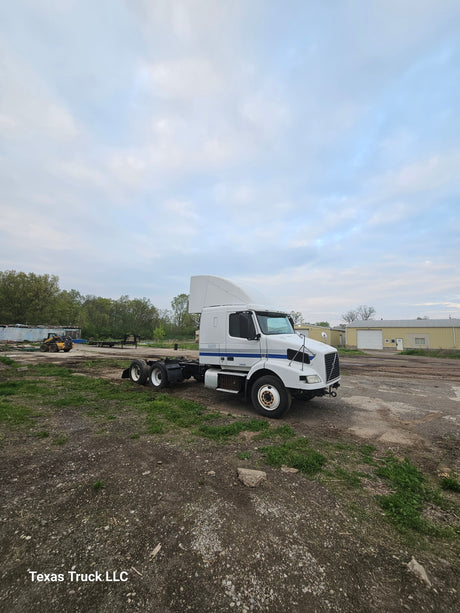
<point>28,298</point>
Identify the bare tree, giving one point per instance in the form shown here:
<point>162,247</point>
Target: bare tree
<point>366,312</point>
<point>350,316</point>
<point>362,312</point>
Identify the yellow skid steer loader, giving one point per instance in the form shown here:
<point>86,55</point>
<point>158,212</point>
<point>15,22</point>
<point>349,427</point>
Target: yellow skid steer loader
<point>53,342</point>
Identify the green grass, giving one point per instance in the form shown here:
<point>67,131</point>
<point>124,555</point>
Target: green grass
<point>41,434</point>
<point>185,344</point>
<point>165,410</point>
<point>21,387</point>
<point>72,399</point>
<point>283,432</point>
<point>345,351</point>
<point>340,466</point>
<point>349,478</point>
<point>15,397</point>
<point>433,353</point>
<point>8,388</point>
<point>411,494</point>
<point>450,484</point>
<point>297,453</point>
<point>14,414</point>
<point>243,455</point>
<point>225,431</point>
<point>49,370</point>
<point>98,362</point>
<point>7,361</point>
<point>60,439</point>
<point>367,454</point>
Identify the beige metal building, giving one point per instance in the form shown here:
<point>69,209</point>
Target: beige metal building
<point>331,336</point>
<point>404,334</point>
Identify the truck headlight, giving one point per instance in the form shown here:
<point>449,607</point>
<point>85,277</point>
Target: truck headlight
<point>311,379</point>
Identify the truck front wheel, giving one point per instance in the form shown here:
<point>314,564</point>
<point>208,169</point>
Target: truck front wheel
<point>269,397</point>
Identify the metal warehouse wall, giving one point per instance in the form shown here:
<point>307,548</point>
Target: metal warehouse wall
<point>435,337</point>
<point>16,334</point>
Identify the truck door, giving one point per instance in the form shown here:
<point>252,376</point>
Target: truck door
<point>243,342</point>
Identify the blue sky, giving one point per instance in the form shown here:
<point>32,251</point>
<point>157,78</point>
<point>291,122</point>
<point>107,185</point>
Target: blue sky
<point>310,149</point>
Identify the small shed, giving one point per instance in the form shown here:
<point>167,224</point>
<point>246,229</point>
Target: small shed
<point>403,334</point>
<point>331,336</point>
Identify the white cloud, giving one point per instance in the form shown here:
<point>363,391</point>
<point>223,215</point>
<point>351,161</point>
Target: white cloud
<point>185,78</point>
<point>32,229</point>
<point>27,105</point>
<point>390,215</point>
<point>315,153</point>
<point>79,171</point>
<point>435,172</point>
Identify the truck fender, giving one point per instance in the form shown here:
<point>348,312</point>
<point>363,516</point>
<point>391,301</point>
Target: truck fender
<point>289,376</point>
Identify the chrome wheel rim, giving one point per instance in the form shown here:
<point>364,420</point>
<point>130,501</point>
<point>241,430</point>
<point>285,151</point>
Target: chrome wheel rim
<point>269,397</point>
<point>156,376</point>
<point>135,373</point>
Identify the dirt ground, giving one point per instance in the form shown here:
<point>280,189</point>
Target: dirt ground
<point>173,529</point>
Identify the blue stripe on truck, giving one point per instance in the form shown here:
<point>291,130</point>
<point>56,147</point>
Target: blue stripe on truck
<point>274,356</point>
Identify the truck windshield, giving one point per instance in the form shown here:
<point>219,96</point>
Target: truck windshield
<point>274,323</point>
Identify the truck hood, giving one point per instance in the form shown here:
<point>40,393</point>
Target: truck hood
<point>279,344</point>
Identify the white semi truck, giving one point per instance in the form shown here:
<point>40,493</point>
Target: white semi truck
<point>246,348</point>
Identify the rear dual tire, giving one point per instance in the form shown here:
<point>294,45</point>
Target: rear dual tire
<point>139,372</point>
<point>158,377</point>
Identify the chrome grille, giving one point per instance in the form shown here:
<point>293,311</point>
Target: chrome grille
<point>332,365</point>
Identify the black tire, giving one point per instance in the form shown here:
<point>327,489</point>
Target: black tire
<point>158,376</point>
<point>139,372</point>
<point>54,348</point>
<point>44,347</point>
<point>270,398</point>
<point>199,376</point>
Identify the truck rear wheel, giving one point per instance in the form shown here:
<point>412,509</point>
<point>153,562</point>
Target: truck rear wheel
<point>158,376</point>
<point>139,371</point>
<point>269,397</point>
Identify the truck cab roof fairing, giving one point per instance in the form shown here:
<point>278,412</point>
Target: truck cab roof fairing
<point>208,291</point>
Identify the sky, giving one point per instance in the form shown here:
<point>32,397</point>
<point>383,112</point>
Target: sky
<point>308,149</point>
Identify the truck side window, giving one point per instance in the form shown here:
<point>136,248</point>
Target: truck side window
<point>241,325</point>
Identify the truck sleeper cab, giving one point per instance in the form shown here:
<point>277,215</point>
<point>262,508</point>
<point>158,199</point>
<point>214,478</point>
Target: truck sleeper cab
<point>247,349</point>
<point>256,352</point>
